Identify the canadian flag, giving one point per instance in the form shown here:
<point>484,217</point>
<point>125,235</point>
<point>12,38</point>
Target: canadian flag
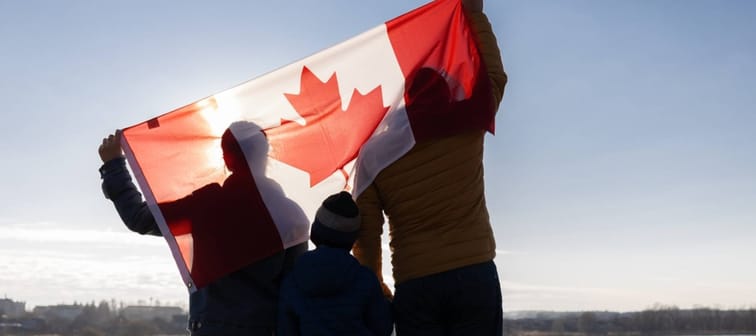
<point>327,123</point>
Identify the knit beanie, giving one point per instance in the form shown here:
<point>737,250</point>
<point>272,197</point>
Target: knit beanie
<point>337,222</point>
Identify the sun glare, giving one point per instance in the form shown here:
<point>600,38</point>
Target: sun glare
<point>218,113</point>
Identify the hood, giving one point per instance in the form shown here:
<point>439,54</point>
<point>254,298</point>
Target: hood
<point>325,271</point>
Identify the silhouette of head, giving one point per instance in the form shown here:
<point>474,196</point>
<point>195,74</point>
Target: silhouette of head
<point>232,152</point>
<point>252,139</point>
<point>428,88</point>
<point>337,222</point>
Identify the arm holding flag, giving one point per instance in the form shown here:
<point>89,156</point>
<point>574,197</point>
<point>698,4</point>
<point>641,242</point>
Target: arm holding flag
<point>487,46</point>
<point>118,187</point>
<point>245,299</point>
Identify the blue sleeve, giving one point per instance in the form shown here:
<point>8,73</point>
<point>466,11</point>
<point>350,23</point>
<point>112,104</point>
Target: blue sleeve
<point>378,316</point>
<point>288,323</point>
<point>119,188</point>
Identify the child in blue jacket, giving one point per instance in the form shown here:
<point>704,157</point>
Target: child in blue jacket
<point>328,292</point>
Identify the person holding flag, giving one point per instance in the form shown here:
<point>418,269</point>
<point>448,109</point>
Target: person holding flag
<point>442,242</point>
<point>243,302</point>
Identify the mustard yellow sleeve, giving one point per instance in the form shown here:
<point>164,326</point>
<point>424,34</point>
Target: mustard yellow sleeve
<point>490,53</point>
<point>367,248</point>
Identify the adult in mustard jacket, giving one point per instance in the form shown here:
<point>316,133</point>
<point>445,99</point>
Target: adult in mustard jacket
<point>441,239</point>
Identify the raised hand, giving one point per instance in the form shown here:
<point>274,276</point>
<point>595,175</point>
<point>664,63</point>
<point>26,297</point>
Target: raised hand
<point>111,147</point>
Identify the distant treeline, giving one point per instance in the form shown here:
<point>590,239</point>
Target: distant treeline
<point>92,320</point>
<point>659,320</point>
<point>102,319</point>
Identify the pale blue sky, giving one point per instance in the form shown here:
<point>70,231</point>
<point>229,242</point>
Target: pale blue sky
<point>623,171</point>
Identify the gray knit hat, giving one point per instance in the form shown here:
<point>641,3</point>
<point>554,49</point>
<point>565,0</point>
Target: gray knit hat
<point>337,222</point>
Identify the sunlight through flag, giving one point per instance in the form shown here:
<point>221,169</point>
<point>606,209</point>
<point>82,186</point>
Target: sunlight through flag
<point>329,122</point>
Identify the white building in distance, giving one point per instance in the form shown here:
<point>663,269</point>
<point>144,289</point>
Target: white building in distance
<point>11,309</point>
<point>148,313</point>
<point>65,312</point>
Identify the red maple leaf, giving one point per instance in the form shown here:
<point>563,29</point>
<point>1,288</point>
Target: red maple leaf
<point>331,137</point>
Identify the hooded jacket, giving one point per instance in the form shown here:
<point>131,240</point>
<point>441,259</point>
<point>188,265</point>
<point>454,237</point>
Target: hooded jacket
<point>330,293</point>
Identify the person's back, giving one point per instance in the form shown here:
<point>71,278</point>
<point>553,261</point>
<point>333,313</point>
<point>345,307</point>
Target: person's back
<point>243,302</point>
<point>435,206</point>
<point>441,238</point>
<point>329,292</point>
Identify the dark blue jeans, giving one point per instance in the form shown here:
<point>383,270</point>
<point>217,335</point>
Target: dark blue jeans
<point>462,301</point>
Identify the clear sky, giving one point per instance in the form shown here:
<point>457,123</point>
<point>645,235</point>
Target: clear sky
<point>622,172</point>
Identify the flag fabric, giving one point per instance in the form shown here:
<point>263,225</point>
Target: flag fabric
<point>327,123</point>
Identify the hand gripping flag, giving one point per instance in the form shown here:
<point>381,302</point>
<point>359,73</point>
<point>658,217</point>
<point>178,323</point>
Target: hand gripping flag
<point>238,176</point>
